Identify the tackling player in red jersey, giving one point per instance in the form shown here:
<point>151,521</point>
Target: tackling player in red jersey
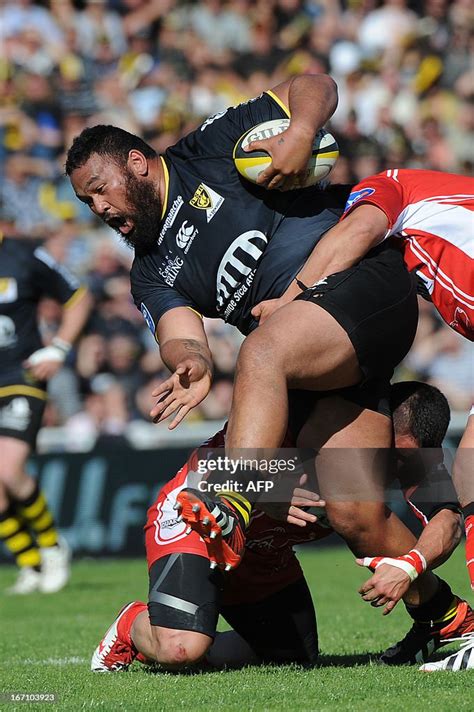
<point>430,216</point>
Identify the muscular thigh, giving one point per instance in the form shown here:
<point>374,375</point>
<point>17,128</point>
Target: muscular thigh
<point>355,325</point>
<point>13,457</point>
<point>352,445</point>
<point>309,345</point>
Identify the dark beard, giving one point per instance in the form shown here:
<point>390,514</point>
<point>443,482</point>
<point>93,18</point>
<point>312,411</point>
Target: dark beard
<point>144,213</point>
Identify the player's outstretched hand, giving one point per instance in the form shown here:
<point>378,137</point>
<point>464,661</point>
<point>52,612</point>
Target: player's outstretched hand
<point>290,152</point>
<point>181,392</point>
<point>386,587</point>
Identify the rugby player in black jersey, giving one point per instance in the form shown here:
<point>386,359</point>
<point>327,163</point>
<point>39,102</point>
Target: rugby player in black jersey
<point>27,529</point>
<point>266,600</point>
<point>209,243</point>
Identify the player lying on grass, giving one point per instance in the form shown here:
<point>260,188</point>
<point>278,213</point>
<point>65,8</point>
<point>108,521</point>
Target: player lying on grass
<point>266,600</point>
<point>429,215</point>
<point>209,243</point>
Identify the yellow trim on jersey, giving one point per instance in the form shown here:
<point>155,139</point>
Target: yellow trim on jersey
<point>186,307</point>
<point>20,390</point>
<point>279,102</point>
<point>76,297</point>
<point>167,185</point>
<point>196,312</point>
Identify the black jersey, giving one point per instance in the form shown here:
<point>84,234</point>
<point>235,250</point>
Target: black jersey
<point>27,273</point>
<point>224,244</point>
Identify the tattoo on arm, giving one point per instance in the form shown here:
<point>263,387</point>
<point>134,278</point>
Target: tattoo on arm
<point>197,348</point>
<point>281,140</point>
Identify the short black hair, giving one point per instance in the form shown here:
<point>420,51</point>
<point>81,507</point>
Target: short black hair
<point>105,140</point>
<point>421,410</point>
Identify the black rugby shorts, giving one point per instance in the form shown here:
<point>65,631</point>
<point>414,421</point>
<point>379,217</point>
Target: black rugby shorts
<point>375,302</point>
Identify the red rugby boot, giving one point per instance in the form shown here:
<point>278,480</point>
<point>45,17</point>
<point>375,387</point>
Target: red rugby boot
<point>220,522</point>
<point>116,651</point>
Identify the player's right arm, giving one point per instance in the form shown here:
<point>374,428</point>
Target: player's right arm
<point>185,351</point>
<point>310,100</point>
<point>370,212</point>
<point>394,576</point>
<point>440,537</point>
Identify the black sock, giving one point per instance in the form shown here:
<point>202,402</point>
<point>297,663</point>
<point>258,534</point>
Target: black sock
<point>439,610</point>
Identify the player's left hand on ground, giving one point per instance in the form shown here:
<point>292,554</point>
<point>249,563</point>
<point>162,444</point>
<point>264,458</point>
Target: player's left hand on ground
<point>290,152</point>
<point>392,578</point>
<point>181,392</point>
<point>44,363</point>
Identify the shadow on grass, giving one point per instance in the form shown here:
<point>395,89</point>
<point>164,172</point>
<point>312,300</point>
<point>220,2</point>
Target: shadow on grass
<point>323,661</point>
<point>348,660</point>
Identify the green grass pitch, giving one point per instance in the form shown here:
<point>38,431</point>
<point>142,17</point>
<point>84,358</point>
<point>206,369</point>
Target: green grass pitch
<point>46,643</point>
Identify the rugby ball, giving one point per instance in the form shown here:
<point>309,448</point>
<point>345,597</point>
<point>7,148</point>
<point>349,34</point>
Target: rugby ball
<point>250,165</point>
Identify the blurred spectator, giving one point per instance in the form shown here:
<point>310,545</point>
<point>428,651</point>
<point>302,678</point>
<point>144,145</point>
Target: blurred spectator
<point>158,68</point>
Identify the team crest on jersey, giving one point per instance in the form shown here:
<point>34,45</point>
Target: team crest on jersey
<point>358,195</point>
<point>207,199</point>
<point>8,290</point>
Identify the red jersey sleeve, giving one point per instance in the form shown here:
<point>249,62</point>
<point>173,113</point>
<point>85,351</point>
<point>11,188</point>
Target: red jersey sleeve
<point>381,190</point>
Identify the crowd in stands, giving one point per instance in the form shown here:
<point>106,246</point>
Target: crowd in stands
<point>159,68</point>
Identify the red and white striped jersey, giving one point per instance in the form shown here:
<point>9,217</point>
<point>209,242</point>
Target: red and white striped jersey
<point>432,213</point>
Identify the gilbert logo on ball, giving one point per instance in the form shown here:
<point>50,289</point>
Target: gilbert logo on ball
<point>250,165</point>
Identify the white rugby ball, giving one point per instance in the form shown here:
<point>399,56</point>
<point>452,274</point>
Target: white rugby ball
<point>250,165</point>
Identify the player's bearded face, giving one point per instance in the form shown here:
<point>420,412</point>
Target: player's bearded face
<point>143,211</point>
